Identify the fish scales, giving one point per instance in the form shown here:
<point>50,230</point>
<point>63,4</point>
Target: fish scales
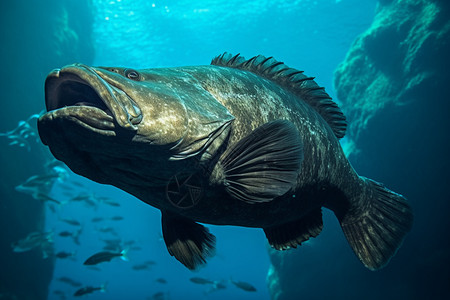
<point>254,101</point>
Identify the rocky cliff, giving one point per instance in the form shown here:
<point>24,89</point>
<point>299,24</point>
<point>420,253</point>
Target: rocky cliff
<point>36,37</point>
<point>393,86</point>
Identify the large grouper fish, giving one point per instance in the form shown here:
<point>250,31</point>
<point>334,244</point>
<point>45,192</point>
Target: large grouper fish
<point>240,142</point>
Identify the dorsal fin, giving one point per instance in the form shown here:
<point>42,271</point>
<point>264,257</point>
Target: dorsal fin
<point>294,81</point>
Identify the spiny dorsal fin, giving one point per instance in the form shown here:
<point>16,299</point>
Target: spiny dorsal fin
<point>293,80</point>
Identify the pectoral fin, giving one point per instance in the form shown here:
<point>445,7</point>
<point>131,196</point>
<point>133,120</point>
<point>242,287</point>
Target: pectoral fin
<point>265,164</point>
<point>189,242</point>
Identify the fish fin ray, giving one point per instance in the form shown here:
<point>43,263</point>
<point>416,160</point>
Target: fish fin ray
<point>294,81</point>
<point>189,242</point>
<point>265,164</point>
<point>292,234</point>
<point>376,231</point>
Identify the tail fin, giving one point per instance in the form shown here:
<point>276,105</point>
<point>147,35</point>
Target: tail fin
<point>103,287</point>
<point>375,229</point>
<point>124,254</point>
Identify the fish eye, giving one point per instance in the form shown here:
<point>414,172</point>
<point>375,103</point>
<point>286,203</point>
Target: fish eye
<point>132,74</point>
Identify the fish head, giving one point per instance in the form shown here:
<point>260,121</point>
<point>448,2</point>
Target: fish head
<point>126,127</point>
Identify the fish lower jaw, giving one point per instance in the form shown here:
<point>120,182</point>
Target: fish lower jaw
<point>89,118</point>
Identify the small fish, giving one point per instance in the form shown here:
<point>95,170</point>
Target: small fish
<point>105,256</point>
<point>199,280</point>
<point>63,254</point>
<point>41,180</point>
<point>89,289</point>
<point>69,281</point>
<point>161,280</point>
<point>81,197</point>
<point>159,296</point>
<point>97,219</point>
<point>140,267</point>
<point>71,222</point>
<point>54,163</point>
<point>244,286</point>
<point>112,203</point>
<point>37,192</point>
<point>74,235</point>
<point>65,233</point>
<point>34,240</point>
<point>44,197</point>
<point>117,218</point>
<point>90,202</point>
<point>23,132</point>
<point>52,208</point>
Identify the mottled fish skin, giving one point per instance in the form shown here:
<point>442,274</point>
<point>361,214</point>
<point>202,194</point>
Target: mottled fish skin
<point>254,101</point>
<point>223,95</point>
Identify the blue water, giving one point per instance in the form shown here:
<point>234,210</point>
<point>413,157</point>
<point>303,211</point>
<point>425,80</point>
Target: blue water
<point>309,35</point>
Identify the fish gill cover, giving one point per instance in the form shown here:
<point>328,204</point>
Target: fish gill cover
<point>310,35</point>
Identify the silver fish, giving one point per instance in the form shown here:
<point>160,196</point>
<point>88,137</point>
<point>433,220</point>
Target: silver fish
<point>24,132</point>
<point>44,240</point>
<point>240,142</point>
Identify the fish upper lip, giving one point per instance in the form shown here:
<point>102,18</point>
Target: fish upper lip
<point>81,85</point>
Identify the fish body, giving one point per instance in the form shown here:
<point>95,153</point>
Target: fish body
<point>244,286</point>
<point>65,233</point>
<point>89,290</point>
<point>111,203</point>
<point>34,240</point>
<point>199,280</point>
<point>140,267</point>
<point>71,222</point>
<point>74,235</point>
<point>23,133</point>
<point>63,254</point>
<point>105,256</point>
<point>240,142</point>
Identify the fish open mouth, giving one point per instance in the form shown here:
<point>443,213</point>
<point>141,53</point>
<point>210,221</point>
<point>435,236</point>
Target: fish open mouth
<point>87,96</point>
<point>87,117</point>
<point>71,90</point>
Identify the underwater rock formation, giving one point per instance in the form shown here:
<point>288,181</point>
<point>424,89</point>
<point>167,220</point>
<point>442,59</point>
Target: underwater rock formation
<point>393,86</point>
<point>36,37</point>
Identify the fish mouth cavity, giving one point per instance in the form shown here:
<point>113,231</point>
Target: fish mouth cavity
<point>80,86</point>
